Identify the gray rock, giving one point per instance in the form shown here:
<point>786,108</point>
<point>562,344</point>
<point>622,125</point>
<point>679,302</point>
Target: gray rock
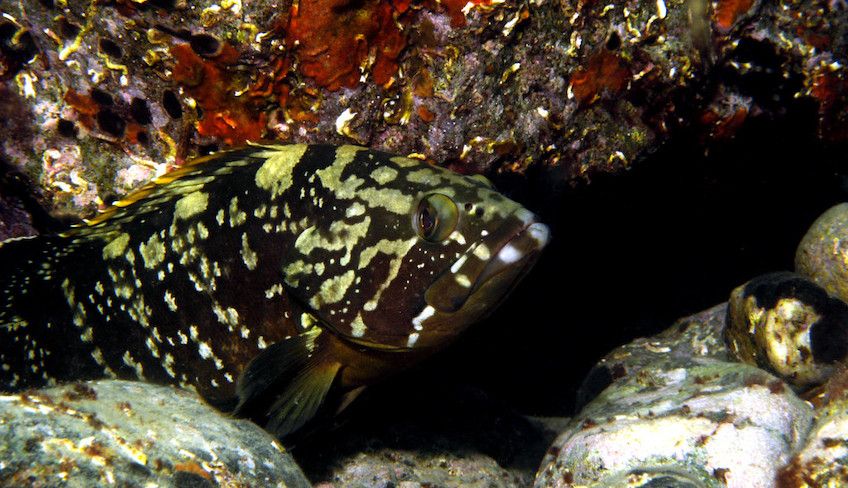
<point>678,412</point>
<point>122,433</point>
<point>821,253</point>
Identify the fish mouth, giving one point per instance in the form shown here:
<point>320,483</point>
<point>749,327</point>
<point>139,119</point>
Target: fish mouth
<point>490,268</point>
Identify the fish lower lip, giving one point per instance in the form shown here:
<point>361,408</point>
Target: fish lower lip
<point>524,244</point>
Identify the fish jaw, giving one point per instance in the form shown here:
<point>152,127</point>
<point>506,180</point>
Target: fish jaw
<point>479,280</point>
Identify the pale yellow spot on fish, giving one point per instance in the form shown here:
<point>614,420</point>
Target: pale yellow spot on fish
<point>463,281</point>
<point>237,217</point>
<point>275,174</point>
<point>355,209</point>
<point>168,364</point>
<point>384,174</point>
<point>276,289</point>
<point>311,239</point>
<point>247,254</point>
<point>152,347</point>
<point>357,326</point>
<point>116,247</point>
<point>132,363</point>
<point>191,205</point>
<point>405,162</point>
<point>332,290</point>
<point>457,237</point>
<point>482,252</point>
<point>152,252</point>
<point>219,217</point>
<point>307,321</point>
<point>170,302</point>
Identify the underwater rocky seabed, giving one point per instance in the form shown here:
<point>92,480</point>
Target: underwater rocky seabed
<point>663,233</point>
<point>638,251</point>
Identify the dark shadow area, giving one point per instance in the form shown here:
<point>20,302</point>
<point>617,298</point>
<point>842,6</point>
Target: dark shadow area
<point>631,253</point>
<point>417,417</point>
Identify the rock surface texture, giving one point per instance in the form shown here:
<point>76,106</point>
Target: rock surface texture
<point>99,97</point>
<point>118,433</point>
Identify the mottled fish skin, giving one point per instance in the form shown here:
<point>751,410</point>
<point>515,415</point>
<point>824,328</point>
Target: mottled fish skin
<point>349,262</point>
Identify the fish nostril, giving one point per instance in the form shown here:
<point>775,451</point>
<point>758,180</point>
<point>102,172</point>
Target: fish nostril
<point>468,207</point>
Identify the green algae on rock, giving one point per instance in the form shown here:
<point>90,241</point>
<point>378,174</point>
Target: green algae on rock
<point>123,433</point>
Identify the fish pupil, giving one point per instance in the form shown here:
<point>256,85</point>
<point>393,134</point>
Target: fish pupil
<point>427,221</point>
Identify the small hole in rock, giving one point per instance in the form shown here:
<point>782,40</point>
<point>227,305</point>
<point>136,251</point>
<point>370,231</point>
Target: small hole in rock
<point>66,128</point>
<point>101,97</point>
<point>613,41</point>
<point>68,29</point>
<point>171,104</point>
<point>205,45</point>
<point>140,111</point>
<point>109,48</point>
<point>111,123</point>
<point>7,31</point>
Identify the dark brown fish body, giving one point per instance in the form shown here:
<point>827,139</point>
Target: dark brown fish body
<point>269,277</point>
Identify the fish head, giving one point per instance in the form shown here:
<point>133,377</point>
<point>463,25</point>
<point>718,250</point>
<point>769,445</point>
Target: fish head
<point>428,253</point>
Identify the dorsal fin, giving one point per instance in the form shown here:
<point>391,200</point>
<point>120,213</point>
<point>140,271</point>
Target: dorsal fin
<point>191,167</point>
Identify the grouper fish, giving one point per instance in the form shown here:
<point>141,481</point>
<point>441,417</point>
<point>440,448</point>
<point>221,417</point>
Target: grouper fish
<point>275,280</point>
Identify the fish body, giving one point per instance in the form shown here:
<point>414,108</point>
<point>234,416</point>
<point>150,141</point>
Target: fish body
<point>275,280</point>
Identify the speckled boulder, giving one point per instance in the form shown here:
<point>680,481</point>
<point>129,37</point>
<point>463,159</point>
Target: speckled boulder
<point>790,326</point>
<point>678,413</point>
<point>823,461</point>
<point>822,253</point>
<point>118,433</point>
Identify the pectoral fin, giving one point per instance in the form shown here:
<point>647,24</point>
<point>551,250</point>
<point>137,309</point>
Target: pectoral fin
<point>285,386</point>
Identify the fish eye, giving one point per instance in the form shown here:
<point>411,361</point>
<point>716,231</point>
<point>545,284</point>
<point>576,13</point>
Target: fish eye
<point>436,217</point>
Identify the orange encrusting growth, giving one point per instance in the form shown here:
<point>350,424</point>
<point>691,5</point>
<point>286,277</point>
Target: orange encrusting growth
<point>333,38</point>
<point>85,106</point>
<point>605,74</point>
<point>225,116</point>
<point>727,12</point>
